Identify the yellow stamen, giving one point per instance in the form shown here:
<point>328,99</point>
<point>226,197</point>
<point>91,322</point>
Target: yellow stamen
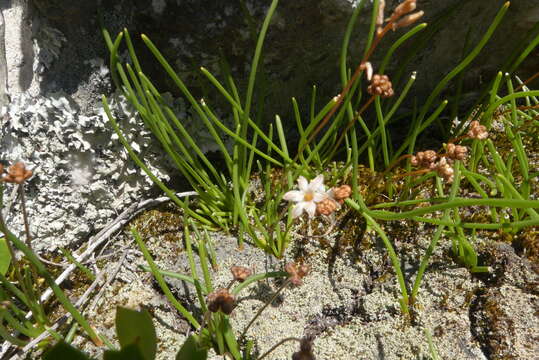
<point>308,196</point>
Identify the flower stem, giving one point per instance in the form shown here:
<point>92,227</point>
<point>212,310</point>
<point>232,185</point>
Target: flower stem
<point>264,307</point>
<point>394,261</point>
<point>277,345</point>
<point>25,216</point>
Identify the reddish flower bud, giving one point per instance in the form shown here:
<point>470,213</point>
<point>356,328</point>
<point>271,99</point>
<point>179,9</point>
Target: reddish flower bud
<point>240,273</point>
<point>406,7</point>
<point>380,85</point>
<point>222,300</point>
<point>17,174</point>
<point>407,20</point>
<point>456,152</point>
<point>326,207</point>
<point>477,131</point>
<point>296,274</point>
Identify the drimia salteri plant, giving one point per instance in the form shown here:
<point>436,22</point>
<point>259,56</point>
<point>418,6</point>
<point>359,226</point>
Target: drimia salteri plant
<point>338,128</point>
<point>225,196</point>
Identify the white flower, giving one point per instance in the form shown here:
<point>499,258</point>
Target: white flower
<point>307,196</point>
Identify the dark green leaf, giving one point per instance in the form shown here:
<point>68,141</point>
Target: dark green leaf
<point>129,352</point>
<point>63,351</point>
<point>136,327</point>
<point>191,350</point>
<point>470,256</point>
<point>5,256</point>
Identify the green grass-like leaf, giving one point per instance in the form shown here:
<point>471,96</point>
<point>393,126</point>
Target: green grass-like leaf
<point>5,256</point>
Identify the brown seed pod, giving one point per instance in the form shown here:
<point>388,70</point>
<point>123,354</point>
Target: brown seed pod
<point>380,85</point>
<point>240,273</point>
<point>17,173</point>
<point>477,131</point>
<point>296,273</point>
<point>456,152</point>
<point>222,300</point>
<point>326,207</point>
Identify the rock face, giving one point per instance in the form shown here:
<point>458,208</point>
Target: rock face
<point>302,47</point>
<point>504,316</point>
<point>56,70</point>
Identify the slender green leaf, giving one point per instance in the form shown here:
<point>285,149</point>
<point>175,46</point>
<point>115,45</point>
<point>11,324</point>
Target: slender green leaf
<point>5,256</point>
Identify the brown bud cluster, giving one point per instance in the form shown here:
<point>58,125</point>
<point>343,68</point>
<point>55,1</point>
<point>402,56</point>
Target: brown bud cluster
<point>17,174</point>
<point>456,152</point>
<point>240,273</point>
<point>222,300</point>
<point>442,164</point>
<point>297,272</point>
<point>335,199</point>
<point>477,131</point>
<point>380,85</point>
<point>407,20</point>
<point>445,170</point>
<point>424,159</point>
<point>342,192</point>
<point>402,16</point>
<point>326,207</point>
<point>305,350</point>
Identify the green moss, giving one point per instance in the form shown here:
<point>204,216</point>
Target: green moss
<point>163,222</point>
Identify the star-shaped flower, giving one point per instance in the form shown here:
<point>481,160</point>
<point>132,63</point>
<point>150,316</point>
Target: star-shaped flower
<point>307,196</point>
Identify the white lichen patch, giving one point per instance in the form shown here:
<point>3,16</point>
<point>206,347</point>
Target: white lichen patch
<point>82,175</point>
<point>353,313</point>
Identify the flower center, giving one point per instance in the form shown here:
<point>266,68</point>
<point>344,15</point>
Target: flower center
<point>309,196</point>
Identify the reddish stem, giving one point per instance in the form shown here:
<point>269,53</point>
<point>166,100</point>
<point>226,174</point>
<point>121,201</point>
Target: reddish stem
<point>348,85</point>
<point>530,79</point>
<point>412,173</point>
<point>394,163</point>
<point>349,125</point>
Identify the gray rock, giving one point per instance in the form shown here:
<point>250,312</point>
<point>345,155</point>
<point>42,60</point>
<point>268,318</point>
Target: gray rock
<point>504,315</point>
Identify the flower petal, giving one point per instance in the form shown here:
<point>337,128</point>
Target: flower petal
<point>317,184</point>
<point>302,183</point>
<point>298,209</point>
<point>310,207</point>
<point>294,195</point>
<point>331,194</point>
<point>319,196</point>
